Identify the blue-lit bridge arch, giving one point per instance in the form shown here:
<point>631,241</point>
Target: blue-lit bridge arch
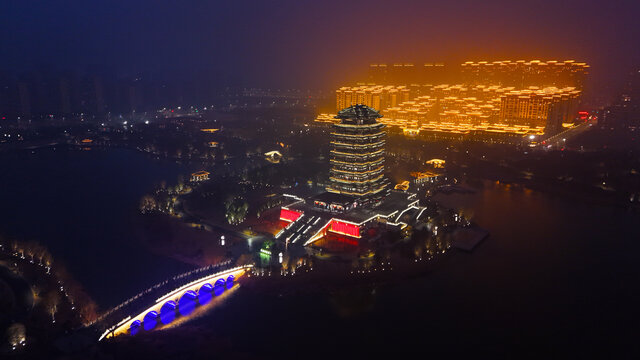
<point>179,302</point>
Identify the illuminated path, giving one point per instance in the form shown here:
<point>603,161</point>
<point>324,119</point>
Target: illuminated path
<point>178,303</point>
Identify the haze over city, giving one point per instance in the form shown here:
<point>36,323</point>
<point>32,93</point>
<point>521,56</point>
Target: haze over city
<point>255,179</point>
<point>310,44</point>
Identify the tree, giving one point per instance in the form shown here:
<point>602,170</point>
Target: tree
<point>89,312</point>
<point>51,302</point>
<point>47,260</point>
<point>16,334</point>
<point>236,210</point>
<point>40,253</point>
<point>147,204</point>
<point>30,249</point>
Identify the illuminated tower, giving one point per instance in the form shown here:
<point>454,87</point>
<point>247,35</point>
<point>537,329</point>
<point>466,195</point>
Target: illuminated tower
<point>357,153</point>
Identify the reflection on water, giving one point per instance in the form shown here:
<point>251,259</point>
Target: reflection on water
<point>168,312</point>
<point>190,305</point>
<point>205,294</point>
<point>203,309</point>
<point>218,287</point>
<point>187,303</point>
<point>150,320</point>
<point>135,327</point>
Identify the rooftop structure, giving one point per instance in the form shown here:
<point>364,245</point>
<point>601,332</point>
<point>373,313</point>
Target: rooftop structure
<point>273,156</point>
<point>436,163</point>
<point>308,222</point>
<point>200,176</point>
<point>403,186</point>
<point>421,177</point>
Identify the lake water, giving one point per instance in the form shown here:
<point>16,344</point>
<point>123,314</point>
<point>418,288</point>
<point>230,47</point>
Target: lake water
<point>82,205</point>
<point>553,273</point>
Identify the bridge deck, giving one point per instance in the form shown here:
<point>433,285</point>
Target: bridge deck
<point>174,297</point>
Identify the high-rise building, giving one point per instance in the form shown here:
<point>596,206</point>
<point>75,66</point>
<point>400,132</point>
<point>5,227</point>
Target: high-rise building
<point>547,108</point>
<point>357,153</point>
<point>500,99</point>
<point>408,73</point>
<point>522,74</point>
<point>376,96</point>
<point>625,112</point>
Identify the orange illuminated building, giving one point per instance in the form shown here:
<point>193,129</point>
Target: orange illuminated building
<point>514,98</point>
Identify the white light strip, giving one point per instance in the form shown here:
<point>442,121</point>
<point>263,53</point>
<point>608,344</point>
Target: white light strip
<point>403,211</point>
<point>222,273</point>
<point>312,239</point>
<point>123,321</point>
<point>292,196</point>
<point>105,333</point>
<point>420,214</point>
<point>412,205</point>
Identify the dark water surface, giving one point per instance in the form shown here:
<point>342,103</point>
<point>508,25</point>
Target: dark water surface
<point>82,205</point>
<point>554,274</point>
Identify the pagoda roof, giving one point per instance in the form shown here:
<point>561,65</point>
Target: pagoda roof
<point>358,111</point>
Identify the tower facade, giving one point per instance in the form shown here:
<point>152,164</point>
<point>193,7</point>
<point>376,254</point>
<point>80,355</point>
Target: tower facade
<point>357,153</point>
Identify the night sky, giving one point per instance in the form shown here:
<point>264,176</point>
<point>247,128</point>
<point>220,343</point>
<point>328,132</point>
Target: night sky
<point>309,44</point>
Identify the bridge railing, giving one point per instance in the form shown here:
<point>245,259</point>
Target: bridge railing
<point>135,302</point>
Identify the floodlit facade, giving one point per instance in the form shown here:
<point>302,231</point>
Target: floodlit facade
<point>547,108</point>
<point>357,153</point>
<point>493,99</point>
<point>522,74</point>
<point>376,96</point>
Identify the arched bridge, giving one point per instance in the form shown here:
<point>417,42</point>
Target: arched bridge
<point>179,302</point>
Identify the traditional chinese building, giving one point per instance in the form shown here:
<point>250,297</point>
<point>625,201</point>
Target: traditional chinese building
<point>357,153</point>
<point>358,195</point>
